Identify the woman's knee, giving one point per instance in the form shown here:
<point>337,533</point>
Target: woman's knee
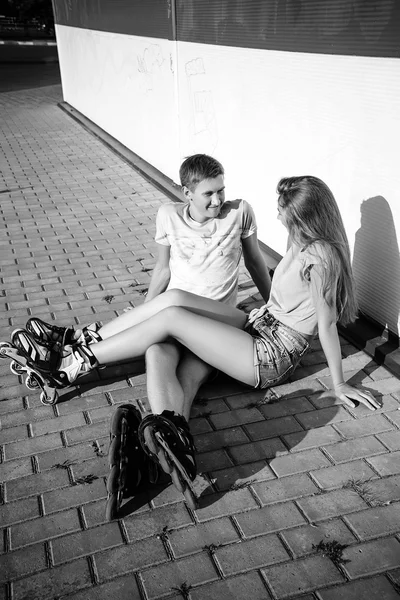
<point>175,297</point>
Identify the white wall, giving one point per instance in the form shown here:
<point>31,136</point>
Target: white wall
<point>126,85</point>
<point>265,115</point>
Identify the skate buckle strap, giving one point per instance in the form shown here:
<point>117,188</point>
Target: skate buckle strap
<point>179,439</point>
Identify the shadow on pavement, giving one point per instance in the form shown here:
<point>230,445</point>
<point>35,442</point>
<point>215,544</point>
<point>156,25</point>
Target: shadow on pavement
<point>23,76</point>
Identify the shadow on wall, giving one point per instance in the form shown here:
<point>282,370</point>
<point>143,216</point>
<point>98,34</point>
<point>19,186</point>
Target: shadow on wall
<point>376,264</point>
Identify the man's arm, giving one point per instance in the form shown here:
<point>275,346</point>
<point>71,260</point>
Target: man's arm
<point>256,266</point>
<point>161,273</point>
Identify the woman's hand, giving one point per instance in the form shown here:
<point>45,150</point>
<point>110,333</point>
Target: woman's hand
<point>347,394</point>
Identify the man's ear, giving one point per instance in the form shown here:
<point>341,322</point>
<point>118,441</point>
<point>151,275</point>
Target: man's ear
<point>186,192</point>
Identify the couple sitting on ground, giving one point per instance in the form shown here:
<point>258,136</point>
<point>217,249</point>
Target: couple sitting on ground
<point>189,326</point>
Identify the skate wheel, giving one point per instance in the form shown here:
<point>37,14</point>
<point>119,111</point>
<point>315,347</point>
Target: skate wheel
<point>16,368</point>
<point>48,399</point>
<point>113,480</point>
<point>113,451</point>
<point>31,382</point>
<point>190,498</point>
<point>4,345</point>
<point>112,507</point>
<point>176,480</point>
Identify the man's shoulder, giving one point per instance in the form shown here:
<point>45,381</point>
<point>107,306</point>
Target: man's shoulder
<point>171,209</point>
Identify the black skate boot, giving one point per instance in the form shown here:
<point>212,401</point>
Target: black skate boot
<point>166,438</point>
<point>63,336</point>
<point>48,365</point>
<point>130,467</point>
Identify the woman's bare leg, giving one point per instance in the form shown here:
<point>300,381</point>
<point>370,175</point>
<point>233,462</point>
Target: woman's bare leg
<point>217,343</point>
<point>198,304</point>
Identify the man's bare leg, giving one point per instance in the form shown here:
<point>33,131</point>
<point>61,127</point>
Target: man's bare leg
<point>174,376</point>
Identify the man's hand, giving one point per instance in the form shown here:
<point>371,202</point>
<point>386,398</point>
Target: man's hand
<point>347,394</point>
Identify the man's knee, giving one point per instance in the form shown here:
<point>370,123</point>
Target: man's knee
<point>161,353</point>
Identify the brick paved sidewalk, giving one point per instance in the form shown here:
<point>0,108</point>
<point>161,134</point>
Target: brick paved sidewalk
<point>289,477</point>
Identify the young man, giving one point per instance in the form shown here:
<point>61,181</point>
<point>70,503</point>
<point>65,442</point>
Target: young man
<point>200,245</point>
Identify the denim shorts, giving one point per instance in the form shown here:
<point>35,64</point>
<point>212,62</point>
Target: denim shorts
<point>277,348</point>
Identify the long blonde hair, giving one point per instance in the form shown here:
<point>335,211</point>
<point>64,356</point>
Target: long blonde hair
<point>312,215</point>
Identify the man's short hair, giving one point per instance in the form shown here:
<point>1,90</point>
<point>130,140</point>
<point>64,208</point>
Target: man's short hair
<point>198,167</point>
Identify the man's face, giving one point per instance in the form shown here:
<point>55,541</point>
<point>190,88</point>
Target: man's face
<point>206,200</point>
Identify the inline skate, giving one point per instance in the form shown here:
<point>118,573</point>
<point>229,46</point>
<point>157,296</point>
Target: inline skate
<point>130,467</point>
<point>49,365</point>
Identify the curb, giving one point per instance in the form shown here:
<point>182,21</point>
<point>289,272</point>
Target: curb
<point>26,43</point>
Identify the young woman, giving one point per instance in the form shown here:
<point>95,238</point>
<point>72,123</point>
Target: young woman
<point>312,291</point>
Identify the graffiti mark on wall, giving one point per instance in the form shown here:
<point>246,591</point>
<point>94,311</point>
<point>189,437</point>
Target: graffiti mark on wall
<point>149,64</point>
<point>203,120</point>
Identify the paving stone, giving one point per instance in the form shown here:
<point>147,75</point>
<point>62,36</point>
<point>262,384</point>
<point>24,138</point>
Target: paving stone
<point>375,522</point>
<point>386,464</point>
<point>86,542</point>
<point>236,417</point>
<point>13,434</point>
<point>14,565</point>
<point>298,462</point>
<point>331,504</point>
<point>270,519</point>
<point>372,557</point>
<point>13,512</point>
<point>220,505</point>
<point>196,538</point>
<point>375,588</point>
<point>131,557</point>
<point>37,530</point>
<point>219,439</point>
<point>14,469</point>
<point>285,407</point>
<point>285,488</point>
<point>35,484</point>
<point>358,448</point>
<point>334,477</point>
<point>20,417</point>
<point>122,588</point>
<point>242,587</point>
<point>241,475</point>
<point>366,426</point>
<point>314,438</point>
<point>58,424</point>
<point>252,554</point>
<point>386,489</point>
<point>301,576</point>
<point>272,428</point>
<point>32,445</point>
<point>71,455</point>
<point>164,579</point>
<point>153,522</point>
<point>253,451</point>
<point>301,541</point>
<point>73,496</point>
<point>323,416</point>
<point>57,582</point>
<point>216,459</point>
<point>391,439</point>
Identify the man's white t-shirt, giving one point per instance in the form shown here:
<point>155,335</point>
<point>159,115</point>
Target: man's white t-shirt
<point>205,257</point>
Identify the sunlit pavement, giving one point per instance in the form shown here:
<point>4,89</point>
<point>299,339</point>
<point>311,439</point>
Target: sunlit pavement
<point>299,496</point>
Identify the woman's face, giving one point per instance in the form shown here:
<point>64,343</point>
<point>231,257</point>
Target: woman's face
<point>281,215</point>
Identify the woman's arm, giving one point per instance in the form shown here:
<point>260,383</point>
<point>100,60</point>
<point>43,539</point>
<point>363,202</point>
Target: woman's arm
<point>329,338</point>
